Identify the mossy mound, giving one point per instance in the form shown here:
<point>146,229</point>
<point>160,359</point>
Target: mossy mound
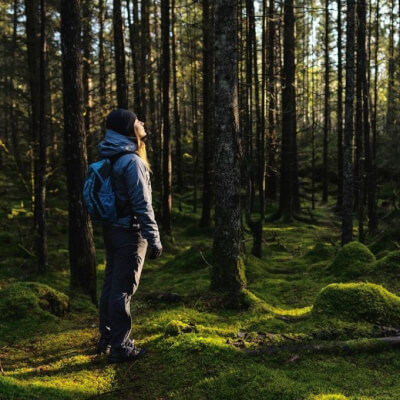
<point>329,397</point>
<point>389,264</point>
<point>353,260</point>
<point>26,299</point>
<point>358,302</point>
<point>321,251</point>
<point>175,328</point>
<point>194,258</point>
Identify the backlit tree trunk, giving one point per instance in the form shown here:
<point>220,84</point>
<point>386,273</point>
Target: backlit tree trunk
<point>81,247</point>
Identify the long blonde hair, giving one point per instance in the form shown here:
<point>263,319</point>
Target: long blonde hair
<point>141,150</point>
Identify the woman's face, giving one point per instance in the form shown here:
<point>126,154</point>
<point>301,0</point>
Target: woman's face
<point>139,129</point>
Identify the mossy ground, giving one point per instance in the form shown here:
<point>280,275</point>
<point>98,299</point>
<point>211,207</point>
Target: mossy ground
<point>196,346</point>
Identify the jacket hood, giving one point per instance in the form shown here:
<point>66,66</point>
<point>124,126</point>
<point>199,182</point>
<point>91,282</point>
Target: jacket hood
<point>115,143</point>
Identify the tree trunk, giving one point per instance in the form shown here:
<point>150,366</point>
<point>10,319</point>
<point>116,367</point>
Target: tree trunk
<point>134,38</point>
<point>287,198</point>
<point>81,247</point>
<point>208,113</point>
<point>370,173</point>
<point>12,107</point>
<point>390,114</point>
<point>228,270</point>
<point>167,167</point>
<point>86,72</point>
<point>40,196</point>
<point>33,46</point>
<point>340,109</point>
<point>102,66</point>
<point>327,119</point>
<point>271,185</point>
<point>347,215</point>
<point>177,122</point>
<point>119,48</point>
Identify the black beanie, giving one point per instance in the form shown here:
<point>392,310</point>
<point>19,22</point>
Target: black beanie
<point>121,121</point>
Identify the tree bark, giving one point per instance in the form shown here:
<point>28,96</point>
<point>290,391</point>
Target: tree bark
<point>271,184</point>
<point>340,109</point>
<point>208,113</point>
<point>177,122</point>
<point>347,215</point>
<point>327,119</point>
<point>81,247</point>
<point>167,167</point>
<point>227,273</point>
<point>119,48</point>
<point>102,66</point>
<point>287,200</point>
<point>40,196</point>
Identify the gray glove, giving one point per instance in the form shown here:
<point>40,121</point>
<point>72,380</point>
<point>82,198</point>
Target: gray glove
<point>154,253</point>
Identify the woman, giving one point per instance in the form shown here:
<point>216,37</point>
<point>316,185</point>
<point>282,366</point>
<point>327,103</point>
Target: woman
<point>127,239</point>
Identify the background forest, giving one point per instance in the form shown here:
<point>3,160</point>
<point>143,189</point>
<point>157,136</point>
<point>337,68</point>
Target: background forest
<point>273,140</point>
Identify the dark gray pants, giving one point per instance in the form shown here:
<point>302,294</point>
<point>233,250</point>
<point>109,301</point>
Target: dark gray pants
<point>125,253</point>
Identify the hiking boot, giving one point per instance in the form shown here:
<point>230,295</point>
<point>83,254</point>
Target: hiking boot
<point>103,346</point>
<point>126,354</point>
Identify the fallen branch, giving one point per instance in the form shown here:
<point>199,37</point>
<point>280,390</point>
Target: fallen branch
<point>26,250</point>
<point>1,369</point>
<point>347,346</point>
<point>202,256</point>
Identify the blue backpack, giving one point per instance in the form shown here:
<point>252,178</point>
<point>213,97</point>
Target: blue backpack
<point>98,192</point>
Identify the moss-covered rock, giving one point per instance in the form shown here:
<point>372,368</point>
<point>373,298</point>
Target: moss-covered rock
<point>390,264</point>
<point>358,302</point>
<point>320,252</point>
<point>26,299</point>
<point>353,260</point>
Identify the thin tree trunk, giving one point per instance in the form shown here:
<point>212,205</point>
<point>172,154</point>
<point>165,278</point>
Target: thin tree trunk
<point>177,122</point>
<point>12,108</point>
<point>347,215</point>
<point>102,66</point>
<point>81,247</point>
<point>340,109</point>
<point>227,273</point>
<point>40,196</point>
<point>119,48</point>
<point>167,167</point>
<point>271,191</point>
<point>134,38</point>
<point>208,113</point>
<point>288,154</point>
<point>327,106</point>
<point>33,46</point>
<point>370,175</point>
<point>86,70</point>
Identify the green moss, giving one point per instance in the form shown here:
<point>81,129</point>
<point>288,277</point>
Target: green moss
<point>390,264</point>
<point>191,259</point>
<point>386,240</point>
<point>353,260</point>
<point>26,299</point>
<point>328,397</point>
<point>321,251</point>
<point>175,328</point>
<point>358,302</point>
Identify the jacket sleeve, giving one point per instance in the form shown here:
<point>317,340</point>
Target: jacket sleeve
<point>139,192</point>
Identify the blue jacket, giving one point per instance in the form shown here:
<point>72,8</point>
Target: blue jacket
<point>131,181</point>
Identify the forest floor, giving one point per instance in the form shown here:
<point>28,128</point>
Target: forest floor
<point>196,348</point>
